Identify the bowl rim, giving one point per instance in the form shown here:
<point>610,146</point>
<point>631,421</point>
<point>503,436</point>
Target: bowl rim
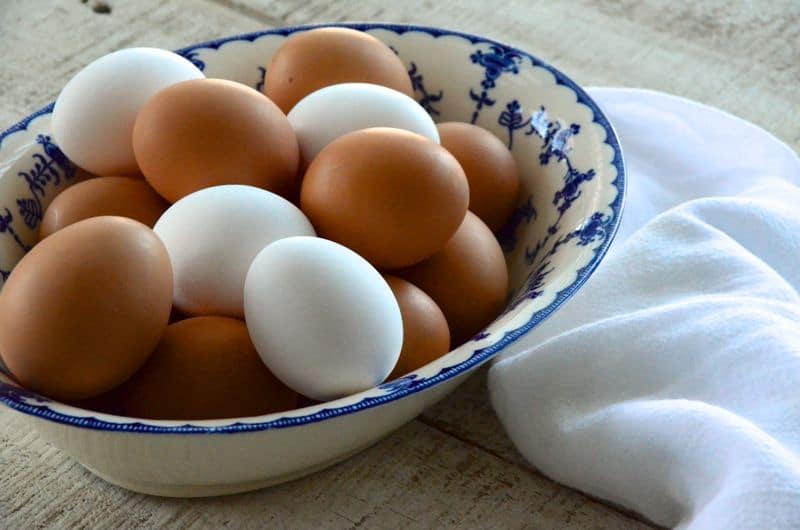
<point>18,398</point>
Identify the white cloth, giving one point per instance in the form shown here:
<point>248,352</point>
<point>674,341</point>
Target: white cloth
<point>670,384</point>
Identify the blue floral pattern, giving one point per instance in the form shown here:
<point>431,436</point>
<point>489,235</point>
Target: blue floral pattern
<point>48,169</point>
<point>556,147</point>
<point>427,99</point>
<point>496,61</point>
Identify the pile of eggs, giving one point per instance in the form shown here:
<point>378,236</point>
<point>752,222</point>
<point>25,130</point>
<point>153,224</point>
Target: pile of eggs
<point>243,251</point>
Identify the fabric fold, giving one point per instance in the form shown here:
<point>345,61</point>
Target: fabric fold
<point>670,384</point>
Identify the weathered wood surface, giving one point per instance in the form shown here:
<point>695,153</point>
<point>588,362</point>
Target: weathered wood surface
<point>454,467</point>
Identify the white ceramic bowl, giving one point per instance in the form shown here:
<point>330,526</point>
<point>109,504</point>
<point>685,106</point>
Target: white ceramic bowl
<point>569,209</point>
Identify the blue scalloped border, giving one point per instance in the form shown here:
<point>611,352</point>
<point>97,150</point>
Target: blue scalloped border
<point>414,385</point>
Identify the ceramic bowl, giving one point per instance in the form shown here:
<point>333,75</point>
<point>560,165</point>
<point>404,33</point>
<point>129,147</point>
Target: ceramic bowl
<point>573,184</point>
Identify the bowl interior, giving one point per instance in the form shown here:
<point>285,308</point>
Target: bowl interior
<point>568,208</point>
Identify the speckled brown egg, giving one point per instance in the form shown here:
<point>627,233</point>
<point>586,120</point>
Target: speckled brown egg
<point>426,336</point>
<point>393,196</point>
<point>85,307</point>
<point>121,196</point>
<point>318,58</point>
<point>207,132</point>
<point>467,279</point>
<point>490,168</point>
<point>203,368</point>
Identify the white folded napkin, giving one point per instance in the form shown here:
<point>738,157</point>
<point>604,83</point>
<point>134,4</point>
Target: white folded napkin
<point>670,384</point>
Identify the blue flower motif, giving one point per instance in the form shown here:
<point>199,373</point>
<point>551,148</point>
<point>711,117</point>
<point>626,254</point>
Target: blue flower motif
<point>426,99</point>
<point>31,211</point>
<point>555,137</point>
<point>57,156</point>
<point>496,61</point>
<point>5,228</point>
<point>507,235</point>
<point>512,119</point>
<point>540,123</point>
<point>556,145</point>
<point>47,169</point>
<point>595,229</point>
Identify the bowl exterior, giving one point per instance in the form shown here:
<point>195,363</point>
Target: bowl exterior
<point>176,465</point>
<point>567,213</point>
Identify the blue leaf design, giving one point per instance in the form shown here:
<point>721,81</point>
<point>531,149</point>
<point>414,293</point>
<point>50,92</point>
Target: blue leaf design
<point>31,211</point>
<point>426,99</point>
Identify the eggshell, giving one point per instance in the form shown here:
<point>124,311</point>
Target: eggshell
<point>333,111</point>
<point>209,132</point>
<point>204,368</point>
<point>322,57</point>
<point>121,196</point>
<point>426,336</point>
<point>467,279</point>
<point>83,310</point>
<point>94,113</point>
<point>490,168</point>
<point>213,235</point>
<point>322,318</point>
<point>393,196</point>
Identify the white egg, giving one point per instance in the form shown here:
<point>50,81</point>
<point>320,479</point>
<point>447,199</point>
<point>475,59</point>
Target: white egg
<point>94,113</point>
<point>322,318</point>
<point>212,236</point>
<point>330,112</point>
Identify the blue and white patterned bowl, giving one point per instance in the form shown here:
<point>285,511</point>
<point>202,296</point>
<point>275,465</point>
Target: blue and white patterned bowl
<point>569,209</point>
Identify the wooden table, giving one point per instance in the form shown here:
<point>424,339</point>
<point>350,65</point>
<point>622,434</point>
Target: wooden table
<point>453,467</point>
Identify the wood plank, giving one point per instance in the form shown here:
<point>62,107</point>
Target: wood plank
<point>417,478</point>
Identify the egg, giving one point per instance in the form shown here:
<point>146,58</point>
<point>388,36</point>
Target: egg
<point>321,317</point>
<point>94,114</point>
<point>203,368</point>
<point>330,112</point>
<point>490,168</point>
<point>467,279</point>
<point>426,336</point>
<point>85,307</point>
<point>393,196</point>
<point>313,59</point>
<point>121,196</point>
<point>212,236</point>
<point>208,132</point>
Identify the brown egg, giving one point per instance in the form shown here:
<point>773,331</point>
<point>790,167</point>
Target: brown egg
<point>490,167</point>
<point>393,196</point>
<point>122,196</point>
<point>467,278</point>
<point>83,310</point>
<point>426,336</point>
<point>204,368</point>
<point>206,132</point>
<point>322,57</point>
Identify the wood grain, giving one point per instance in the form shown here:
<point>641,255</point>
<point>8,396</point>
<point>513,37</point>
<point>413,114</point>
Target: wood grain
<point>454,467</point>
